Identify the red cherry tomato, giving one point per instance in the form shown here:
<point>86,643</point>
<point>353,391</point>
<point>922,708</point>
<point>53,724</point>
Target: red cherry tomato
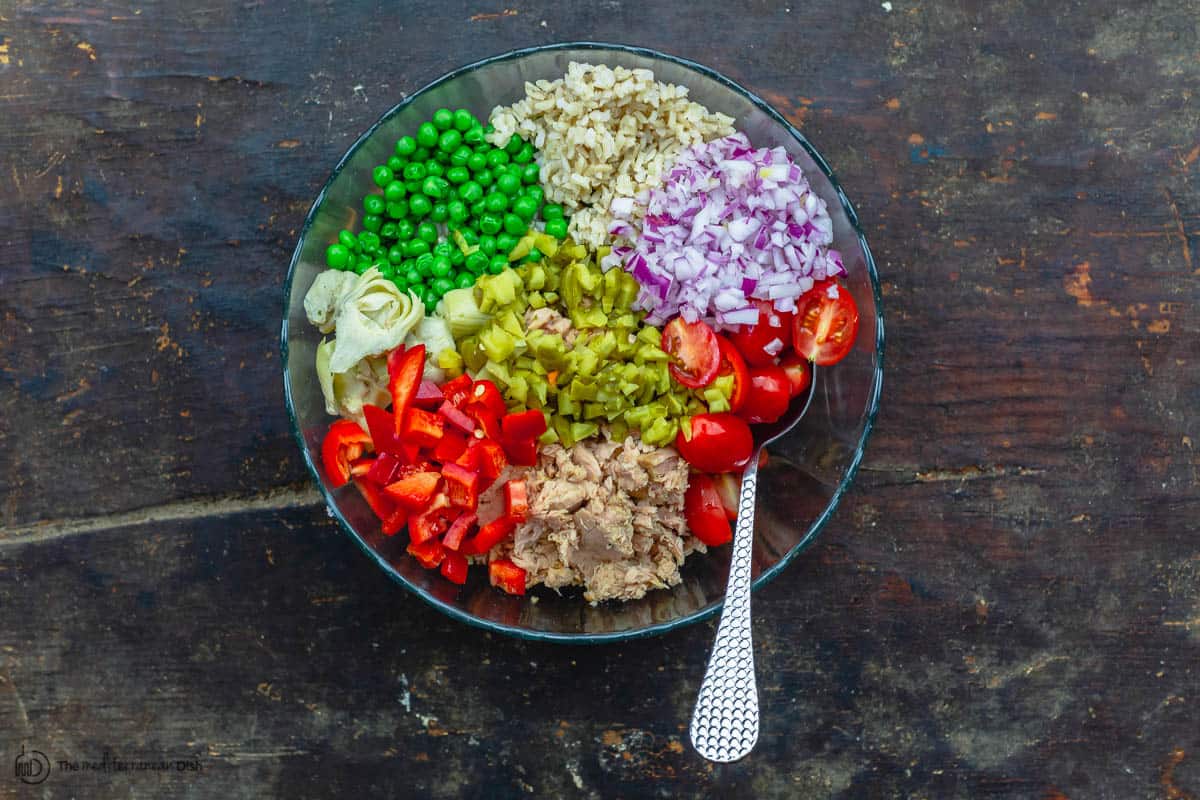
<point>719,443</point>
<point>762,343</point>
<point>704,513</point>
<point>729,489</point>
<point>769,395</point>
<point>695,355</point>
<point>826,324</point>
<point>799,373</point>
<point>733,364</point>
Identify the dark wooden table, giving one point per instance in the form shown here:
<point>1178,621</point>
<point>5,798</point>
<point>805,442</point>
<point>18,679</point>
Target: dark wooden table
<point>1007,604</point>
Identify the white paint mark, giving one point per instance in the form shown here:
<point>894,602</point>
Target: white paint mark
<point>886,6</point>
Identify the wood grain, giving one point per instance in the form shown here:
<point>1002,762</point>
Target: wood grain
<point>1007,605</point>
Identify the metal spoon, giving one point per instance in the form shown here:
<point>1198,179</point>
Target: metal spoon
<point>725,720</point>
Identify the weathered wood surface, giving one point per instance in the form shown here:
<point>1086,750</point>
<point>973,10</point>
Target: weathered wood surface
<point>1008,604</point>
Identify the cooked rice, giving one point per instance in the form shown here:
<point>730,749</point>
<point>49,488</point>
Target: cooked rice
<point>603,133</point>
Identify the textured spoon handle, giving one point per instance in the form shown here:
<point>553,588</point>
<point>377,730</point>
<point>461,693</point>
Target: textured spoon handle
<point>725,722</point>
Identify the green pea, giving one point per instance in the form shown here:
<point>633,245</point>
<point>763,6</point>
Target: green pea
<point>509,184</point>
<point>413,187</point>
<point>395,163</point>
<point>461,156</point>
<point>400,283</point>
<point>414,172</point>
<point>441,157</point>
<point>443,118</point>
<point>393,191</point>
<point>557,228</point>
<point>430,299</point>
<point>487,244</point>
<point>497,264</point>
<point>420,205</point>
<point>434,168</point>
<point>427,232</point>
<point>531,174</point>
<point>505,242</point>
<point>464,120</point>
<point>477,262</point>
<point>495,202</point>
<point>432,187</point>
<point>405,230</point>
<point>337,256</point>
<point>441,267</point>
<point>514,145</point>
<point>490,223</point>
<point>406,146</point>
<point>372,222</point>
<point>387,230</point>
<point>381,175</point>
<point>373,204</point>
<point>413,279</point>
<point>361,267</point>
<point>439,213</point>
<point>457,257</point>
<point>464,280</point>
<point>443,248</point>
<point>396,254</point>
<point>485,178</point>
<point>534,255</point>
<point>552,211</point>
<point>416,248</point>
<point>347,240</point>
<point>422,154</point>
<point>474,135</point>
<point>536,193</point>
<point>424,264</point>
<point>525,208</point>
<point>397,210</point>
<point>457,210</point>
<point>368,240</point>
<point>515,225</point>
<point>524,155</point>
<point>470,192</point>
<point>470,236</point>
<point>458,175</point>
<point>449,141</point>
<point>497,158</point>
<point>442,285</point>
<point>477,162</point>
<point>427,135</point>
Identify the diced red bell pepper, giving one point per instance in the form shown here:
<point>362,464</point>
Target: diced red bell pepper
<point>428,553</point>
<point>455,391</point>
<point>404,377</point>
<point>454,568</point>
<point>469,458</point>
<point>383,429</point>
<point>489,536</point>
<point>344,443</point>
<point>489,423</point>
<point>457,418</point>
<point>395,522</point>
<point>380,503</point>
<point>521,452</point>
<point>450,447</point>
<point>359,467</point>
<point>432,522</point>
<point>414,491</point>
<point>490,458</point>
<point>506,575</point>
<point>525,425</point>
<point>459,530</point>
<point>383,469</point>
<point>422,428</point>
<point>516,500</point>
<point>428,396</point>
<point>462,485</point>
<point>486,393</point>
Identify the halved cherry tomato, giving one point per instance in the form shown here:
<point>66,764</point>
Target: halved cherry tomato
<point>826,323</point>
<point>704,512</point>
<point>695,354</point>
<point>719,443</point>
<point>769,395</point>
<point>733,364</point>
<point>344,443</point>
<point>799,373</point>
<point>728,487</point>
<point>762,342</point>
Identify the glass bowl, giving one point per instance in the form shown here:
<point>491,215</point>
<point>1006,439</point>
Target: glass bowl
<point>809,470</point>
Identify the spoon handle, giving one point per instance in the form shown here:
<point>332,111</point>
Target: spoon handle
<point>725,721</point>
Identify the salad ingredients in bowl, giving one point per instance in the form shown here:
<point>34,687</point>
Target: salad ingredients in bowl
<point>548,332</point>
